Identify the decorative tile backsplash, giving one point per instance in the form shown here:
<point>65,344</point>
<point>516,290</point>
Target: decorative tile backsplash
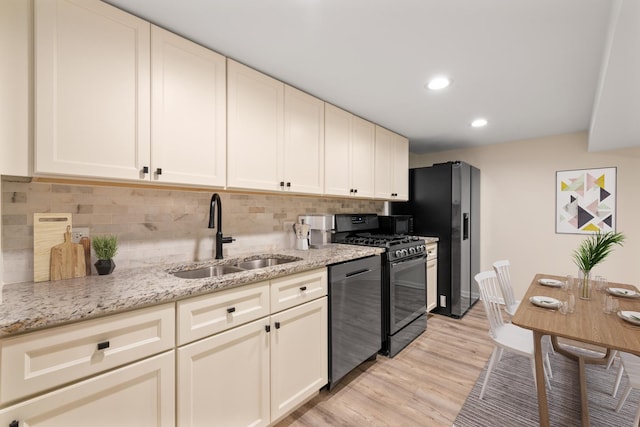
<point>156,225</point>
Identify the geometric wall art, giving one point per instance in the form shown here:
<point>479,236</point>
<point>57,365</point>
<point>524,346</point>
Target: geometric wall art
<point>586,201</point>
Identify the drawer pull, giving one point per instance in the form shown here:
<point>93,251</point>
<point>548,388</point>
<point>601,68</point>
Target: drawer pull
<point>14,423</point>
<point>231,309</point>
<point>303,288</point>
<point>103,345</point>
<point>277,325</point>
<point>267,328</point>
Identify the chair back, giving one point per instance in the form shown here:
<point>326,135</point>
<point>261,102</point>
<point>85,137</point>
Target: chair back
<point>490,295</point>
<point>504,278</point>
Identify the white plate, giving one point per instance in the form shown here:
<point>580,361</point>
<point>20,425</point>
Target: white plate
<point>550,282</point>
<point>630,316</point>
<point>620,292</point>
<point>546,302</point>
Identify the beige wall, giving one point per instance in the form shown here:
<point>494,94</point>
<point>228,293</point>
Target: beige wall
<point>518,205</point>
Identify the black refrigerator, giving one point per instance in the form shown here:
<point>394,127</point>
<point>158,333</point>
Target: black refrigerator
<point>444,200</point>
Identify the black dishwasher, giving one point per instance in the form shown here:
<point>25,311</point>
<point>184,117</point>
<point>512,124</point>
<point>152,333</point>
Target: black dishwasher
<point>355,315</point>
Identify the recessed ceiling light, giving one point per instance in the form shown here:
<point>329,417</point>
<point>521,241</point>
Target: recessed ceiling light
<point>439,83</point>
<point>478,123</point>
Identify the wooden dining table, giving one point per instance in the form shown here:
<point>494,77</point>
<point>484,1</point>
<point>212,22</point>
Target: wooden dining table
<point>588,324</point>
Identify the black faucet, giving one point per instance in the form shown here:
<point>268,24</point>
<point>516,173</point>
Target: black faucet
<point>220,239</point>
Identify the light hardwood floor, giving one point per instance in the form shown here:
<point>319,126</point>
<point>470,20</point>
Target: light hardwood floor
<point>425,385</point>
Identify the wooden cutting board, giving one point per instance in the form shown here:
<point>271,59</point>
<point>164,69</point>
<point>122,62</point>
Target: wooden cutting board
<point>67,259</point>
<point>48,231</point>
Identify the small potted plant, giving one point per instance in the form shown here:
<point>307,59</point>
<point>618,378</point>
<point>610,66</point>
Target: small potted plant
<point>105,248</point>
<point>591,252</point>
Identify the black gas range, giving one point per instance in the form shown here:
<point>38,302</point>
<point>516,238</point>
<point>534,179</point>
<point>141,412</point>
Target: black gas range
<point>397,246</point>
<point>404,296</point>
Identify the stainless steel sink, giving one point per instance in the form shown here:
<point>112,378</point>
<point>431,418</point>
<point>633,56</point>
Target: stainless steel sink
<point>212,271</point>
<point>220,270</point>
<point>263,262</point>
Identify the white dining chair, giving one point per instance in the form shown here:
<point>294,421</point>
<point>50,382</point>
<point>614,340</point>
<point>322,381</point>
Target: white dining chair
<point>510,303</point>
<point>629,364</point>
<point>504,279</point>
<point>506,336</point>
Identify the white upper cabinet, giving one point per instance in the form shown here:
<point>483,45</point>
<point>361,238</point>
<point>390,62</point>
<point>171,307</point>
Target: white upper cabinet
<point>91,90</point>
<point>391,165</point>
<point>303,142</point>
<point>349,154</point>
<point>119,99</point>
<point>275,139</point>
<point>255,110</point>
<point>188,111</point>
<point>16,84</point>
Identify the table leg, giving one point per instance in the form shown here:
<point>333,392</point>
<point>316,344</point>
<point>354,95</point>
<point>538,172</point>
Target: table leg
<point>583,392</point>
<point>543,407</point>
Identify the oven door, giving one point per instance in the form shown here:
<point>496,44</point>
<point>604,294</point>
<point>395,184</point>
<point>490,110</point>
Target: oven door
<point>407,291</point>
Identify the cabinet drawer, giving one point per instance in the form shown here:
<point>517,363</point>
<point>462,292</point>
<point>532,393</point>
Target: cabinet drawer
<point>140,394</point>
<point>38,361</point>
<point>209,314</point>
<point>290,291</point>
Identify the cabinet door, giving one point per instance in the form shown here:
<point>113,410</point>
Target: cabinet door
<point>432,284</point>
<point>223,380</point>
<point>384,163</point>
<point>362,156</point>
<point>337,149</point>
<point>298,355</point>
<point>401,168</point>
<point>188,109</point>
<point>141,395</point>
<point>92,90</point>
<point>303,142</point>
<point>391,165</point>
<point>255,125</point>
<point>16,87</point>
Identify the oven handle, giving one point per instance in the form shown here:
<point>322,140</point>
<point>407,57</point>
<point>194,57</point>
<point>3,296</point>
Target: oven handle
<point>421,258</point>
<point>357,272</point>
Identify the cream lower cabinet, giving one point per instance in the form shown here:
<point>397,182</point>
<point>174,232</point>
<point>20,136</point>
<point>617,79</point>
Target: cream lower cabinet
<point>299,355</point>
<point>116,370</point>
<point>223,380</point>
<point>432,276</point>
<point>141,394</point>
<point>255,373</point>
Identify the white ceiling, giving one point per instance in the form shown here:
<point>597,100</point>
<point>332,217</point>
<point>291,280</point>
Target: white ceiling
<point>532,68</point>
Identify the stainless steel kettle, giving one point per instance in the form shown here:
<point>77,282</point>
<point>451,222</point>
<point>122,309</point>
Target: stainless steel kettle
<point>302,235</point>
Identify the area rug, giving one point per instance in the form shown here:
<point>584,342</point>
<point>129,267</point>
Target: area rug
<point>510,399</point>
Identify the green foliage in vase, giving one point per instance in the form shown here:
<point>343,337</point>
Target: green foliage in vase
<point>105,247</point>
<point>595,248</point>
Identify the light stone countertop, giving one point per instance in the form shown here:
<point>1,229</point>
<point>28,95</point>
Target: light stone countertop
<point>430,239</point>
<point>27,306</point>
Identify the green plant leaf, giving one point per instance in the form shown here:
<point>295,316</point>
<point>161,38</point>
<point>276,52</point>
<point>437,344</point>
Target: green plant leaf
<point>595,248</point>
<point>105,247</point>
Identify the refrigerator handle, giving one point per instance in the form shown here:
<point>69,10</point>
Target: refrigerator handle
<point>465,226</point>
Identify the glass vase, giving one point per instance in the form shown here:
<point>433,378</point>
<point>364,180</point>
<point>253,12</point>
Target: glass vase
<point>584,284</point>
